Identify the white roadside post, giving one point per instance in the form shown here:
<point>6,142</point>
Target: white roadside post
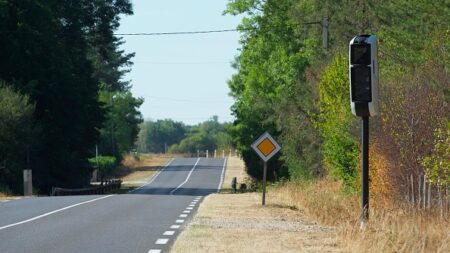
<point>207,153</point>
<point>198,153</point>
<point>215,153</point>
<point>223,153</point>
<point>27,183</point>
<point>266,147</point>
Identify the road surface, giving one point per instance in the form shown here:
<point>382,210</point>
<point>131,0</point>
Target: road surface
<point>146,220</point>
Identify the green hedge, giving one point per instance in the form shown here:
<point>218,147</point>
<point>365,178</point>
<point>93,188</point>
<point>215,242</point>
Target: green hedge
<point>106,164</point>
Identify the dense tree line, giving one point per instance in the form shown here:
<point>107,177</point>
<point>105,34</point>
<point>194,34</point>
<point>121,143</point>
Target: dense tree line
<point>63,63</point>
<point>289,84</point>
<point>163,136</point>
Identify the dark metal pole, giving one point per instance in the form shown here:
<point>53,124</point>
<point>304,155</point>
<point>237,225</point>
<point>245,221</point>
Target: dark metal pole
<point>365,169</point>
<point>264,184</point>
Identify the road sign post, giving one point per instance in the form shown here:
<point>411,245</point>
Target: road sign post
<point>266,147</point>
<point>363,76</point>
<point>264,184</point>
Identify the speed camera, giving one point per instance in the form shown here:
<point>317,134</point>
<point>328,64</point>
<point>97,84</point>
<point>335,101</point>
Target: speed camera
<point>363,75</point>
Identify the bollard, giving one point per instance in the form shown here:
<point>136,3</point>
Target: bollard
<point>234,184</point>
<point>27,183</point>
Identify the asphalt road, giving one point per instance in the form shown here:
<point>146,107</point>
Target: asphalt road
<point>146,220</point>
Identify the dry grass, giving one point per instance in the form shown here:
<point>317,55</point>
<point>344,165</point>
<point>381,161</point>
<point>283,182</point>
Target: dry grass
<point>239,223</point>
<point>134,172</point>
<point>3,196</point>
<point>391,228</point>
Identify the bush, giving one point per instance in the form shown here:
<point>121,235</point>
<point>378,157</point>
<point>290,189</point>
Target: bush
<point>106,164</point>
<point>340,147</point>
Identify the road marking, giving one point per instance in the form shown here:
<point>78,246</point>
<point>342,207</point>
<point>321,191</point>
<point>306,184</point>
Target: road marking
<point>154,176</point>
<point>187,178</point>
<point>192,205</point>
<point>154,251</point>
<point>53,212</point>
<point>175,226</point>
<point>169,233</point>
<point>183,215</point>
<point>179,221</point>
<point>222,175</point>
<point>186,211</point>
<point>162,241</point>
<point>189,208</point>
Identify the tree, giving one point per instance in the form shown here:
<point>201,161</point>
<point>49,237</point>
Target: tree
<point>16,135</point>
<point>121,126</point>
<point>45,47</point>
<point>158,136</point>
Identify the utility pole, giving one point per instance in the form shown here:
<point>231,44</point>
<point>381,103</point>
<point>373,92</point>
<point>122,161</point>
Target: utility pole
<point>325,32</point>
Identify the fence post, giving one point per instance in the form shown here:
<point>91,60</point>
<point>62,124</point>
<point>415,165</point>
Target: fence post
<point>424,190</point>
<point>412,190</point>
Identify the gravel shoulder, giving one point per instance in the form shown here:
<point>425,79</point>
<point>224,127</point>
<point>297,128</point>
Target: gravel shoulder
<point>238,223</point>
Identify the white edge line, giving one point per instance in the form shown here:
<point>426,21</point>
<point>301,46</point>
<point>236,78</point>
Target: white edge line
<point>154,176</point>
<point>53,212</point>
<point>222,175</point>
<point>162,241</point>
<point>187,178</point>
<point>169,232</point>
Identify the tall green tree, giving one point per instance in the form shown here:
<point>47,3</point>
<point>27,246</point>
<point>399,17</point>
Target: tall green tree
<point>45,54</point>
<point>158,136</point>
<point>16,135</point>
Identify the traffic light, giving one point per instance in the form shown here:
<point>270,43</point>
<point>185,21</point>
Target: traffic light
<point>363,75</point>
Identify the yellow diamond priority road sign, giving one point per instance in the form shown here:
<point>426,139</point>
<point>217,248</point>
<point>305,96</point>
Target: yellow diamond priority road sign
<point>266,147</point>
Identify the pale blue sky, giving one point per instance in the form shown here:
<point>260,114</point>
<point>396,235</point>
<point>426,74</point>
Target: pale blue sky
<point>183,77</point>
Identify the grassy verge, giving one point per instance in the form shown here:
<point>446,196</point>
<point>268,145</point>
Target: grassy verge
<point>392,228</point>
<point>238,223</point>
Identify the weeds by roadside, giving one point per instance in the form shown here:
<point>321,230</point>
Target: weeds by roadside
<point>392,228</point>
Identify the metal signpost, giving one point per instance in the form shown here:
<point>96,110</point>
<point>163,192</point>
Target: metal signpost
<point>266,147</point>
<point>363,75</point>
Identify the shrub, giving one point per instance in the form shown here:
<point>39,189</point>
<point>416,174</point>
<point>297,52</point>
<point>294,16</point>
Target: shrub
<point>106,164</point>
<point>335,121</point>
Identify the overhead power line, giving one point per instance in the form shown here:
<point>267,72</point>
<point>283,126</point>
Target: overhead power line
<point>176,33</point>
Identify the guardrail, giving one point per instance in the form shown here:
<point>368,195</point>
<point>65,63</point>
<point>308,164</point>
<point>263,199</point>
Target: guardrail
<point>104,187</point>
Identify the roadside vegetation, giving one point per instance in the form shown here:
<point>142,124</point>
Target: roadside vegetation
<point>62,91</point>
<point>291,84</point>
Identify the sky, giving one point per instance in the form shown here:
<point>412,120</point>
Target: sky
<point>182,77</point>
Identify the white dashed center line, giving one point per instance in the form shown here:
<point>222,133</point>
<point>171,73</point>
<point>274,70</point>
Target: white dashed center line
<point>154,251</point>
<point>183,215</point>
<point>179,221</point>
<point>175,226</point>
<point>189,208</point>
<point>186,211</point>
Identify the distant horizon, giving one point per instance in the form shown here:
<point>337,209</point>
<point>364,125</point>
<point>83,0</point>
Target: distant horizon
<point>220,121</point>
